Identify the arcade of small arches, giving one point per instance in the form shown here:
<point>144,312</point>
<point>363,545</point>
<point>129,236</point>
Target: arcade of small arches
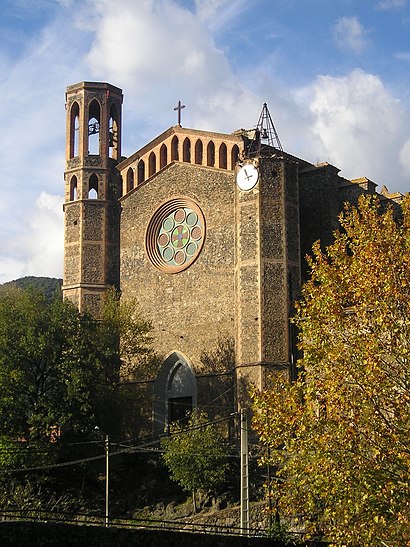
<point>205,153</point>
<point>202,152</point>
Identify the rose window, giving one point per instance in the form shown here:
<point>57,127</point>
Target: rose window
<point>175,235</point>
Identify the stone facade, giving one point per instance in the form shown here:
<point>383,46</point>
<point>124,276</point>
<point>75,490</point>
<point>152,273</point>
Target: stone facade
<point>199,301</point>
<point>215,268</point>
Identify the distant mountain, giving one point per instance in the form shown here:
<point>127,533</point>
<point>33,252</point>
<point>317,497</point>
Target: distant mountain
<point>50,286</point>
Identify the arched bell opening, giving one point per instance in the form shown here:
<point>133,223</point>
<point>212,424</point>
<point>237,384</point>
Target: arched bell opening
<point>73,188</point>
<point>94,117</point>
<point>74,130</point>
<point>93,187</point>
<point>113,136</point>
<point>152,164</point>
<point>223,157</point>
<point>186,150</point>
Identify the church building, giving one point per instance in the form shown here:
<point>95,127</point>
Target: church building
<point>208,231</point>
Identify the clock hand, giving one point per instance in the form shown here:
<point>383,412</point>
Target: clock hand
<point>246,174</point>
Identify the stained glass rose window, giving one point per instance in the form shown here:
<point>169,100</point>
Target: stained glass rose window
<point>175,235</point>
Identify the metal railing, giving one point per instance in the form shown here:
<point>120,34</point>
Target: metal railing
<point>95,519</point>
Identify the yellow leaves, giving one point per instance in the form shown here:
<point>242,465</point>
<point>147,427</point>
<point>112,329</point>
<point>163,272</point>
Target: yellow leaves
<point>346,421</point>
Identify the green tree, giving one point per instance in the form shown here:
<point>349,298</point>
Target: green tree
<point>196,455</point>
<point>339,435</point>
<point>124,337</point>
<point>43,367</point>
<point>60,369</point>
<point>124,343</point>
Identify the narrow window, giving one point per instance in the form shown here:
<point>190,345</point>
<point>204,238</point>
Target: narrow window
<point>223,160</point>
<point>163,156</point>
<point>186,150</point>
<point>130,179</point>
<point>210,154</point>
<point>174,149</point>
<point>234,156</point>
<point>93,187</point>
<point>199,152</point>
<point>141,171</point>
<point>113,133</point>
<point>152,164</point>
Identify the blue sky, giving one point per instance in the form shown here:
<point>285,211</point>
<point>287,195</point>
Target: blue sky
<point>335,75</point>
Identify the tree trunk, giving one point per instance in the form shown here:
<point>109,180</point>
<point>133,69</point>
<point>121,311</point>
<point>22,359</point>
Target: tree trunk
<point>194,500</point>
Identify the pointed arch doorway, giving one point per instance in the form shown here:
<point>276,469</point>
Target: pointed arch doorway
<point>175,393</point>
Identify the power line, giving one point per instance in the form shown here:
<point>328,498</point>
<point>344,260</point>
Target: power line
<point>219,396</point>
<point>144,447</point>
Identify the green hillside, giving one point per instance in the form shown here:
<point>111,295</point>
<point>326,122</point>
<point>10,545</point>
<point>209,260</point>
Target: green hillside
<point>50,286</point>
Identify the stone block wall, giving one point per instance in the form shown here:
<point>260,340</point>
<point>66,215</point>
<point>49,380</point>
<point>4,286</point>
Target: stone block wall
<point>193,309</point>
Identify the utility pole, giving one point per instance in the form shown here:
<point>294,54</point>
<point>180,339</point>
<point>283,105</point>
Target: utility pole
<point>244,474</point>
<point>107,458</point>
<point>269,491</point>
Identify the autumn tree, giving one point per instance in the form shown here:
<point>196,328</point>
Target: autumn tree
<point>196,455</point>
<point>339,435</point>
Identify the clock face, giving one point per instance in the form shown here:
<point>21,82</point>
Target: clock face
<point>175,235</point>
<point>247,177</point>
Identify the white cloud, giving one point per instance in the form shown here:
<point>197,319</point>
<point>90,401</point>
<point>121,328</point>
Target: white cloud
<point>219,14</point>
<point>10,268</point>
<point>32,148</point>
<point>161,52</point>
<point>385,5</point>
<point>403,55</point>
<point>37,248</point>
<point>405,157</point>
<point>349,34</point>
<point>147,43</point>
<point>44,249</point>
<point>361,125</point>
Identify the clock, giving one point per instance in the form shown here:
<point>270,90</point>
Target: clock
<point>247,177</point>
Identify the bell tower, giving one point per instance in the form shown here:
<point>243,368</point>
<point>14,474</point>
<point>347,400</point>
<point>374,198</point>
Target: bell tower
<point>92,189</point>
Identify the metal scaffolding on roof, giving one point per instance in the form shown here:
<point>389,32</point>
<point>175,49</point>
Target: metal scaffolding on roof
<point>265,136</point>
